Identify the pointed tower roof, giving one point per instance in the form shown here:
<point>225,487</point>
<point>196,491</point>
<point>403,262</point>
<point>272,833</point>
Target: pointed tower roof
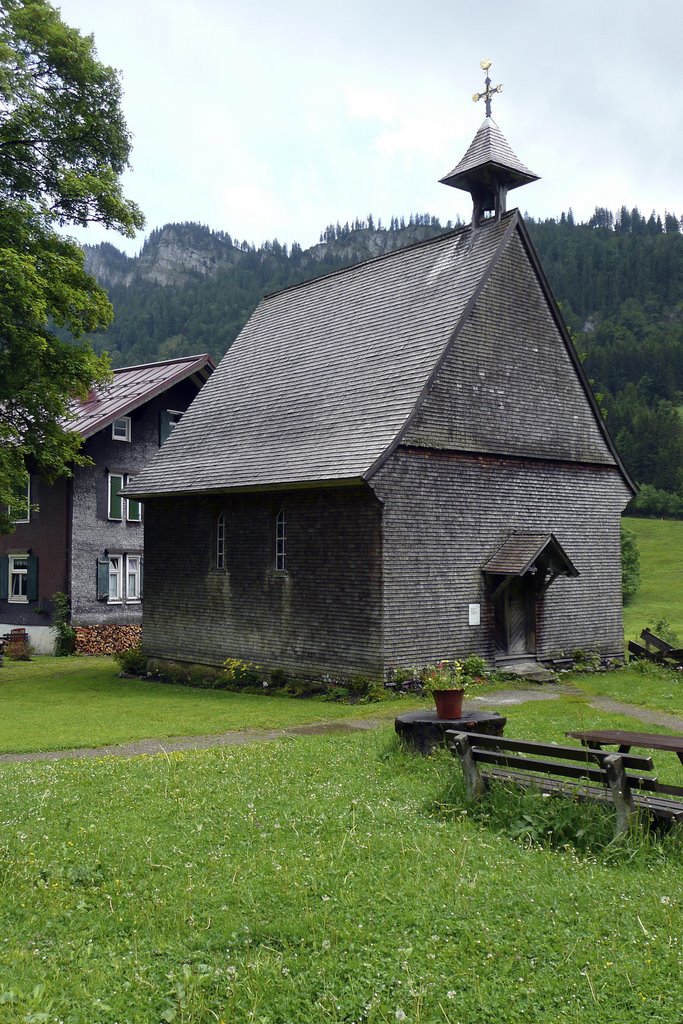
<point>489,156</point>
<point>489,168</point>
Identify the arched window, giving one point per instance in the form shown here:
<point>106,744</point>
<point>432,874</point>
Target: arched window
<point>220,541</point>
<point>281,541</point>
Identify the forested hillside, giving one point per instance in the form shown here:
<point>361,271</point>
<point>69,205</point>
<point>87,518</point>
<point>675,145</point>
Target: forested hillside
<point>618,278</point>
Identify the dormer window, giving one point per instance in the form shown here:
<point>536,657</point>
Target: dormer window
<point>120,429</point>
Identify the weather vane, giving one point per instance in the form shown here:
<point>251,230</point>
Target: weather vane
<point>488,91</point>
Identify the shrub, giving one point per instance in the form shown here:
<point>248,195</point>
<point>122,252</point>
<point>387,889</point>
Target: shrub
<point>665,631</point>
<point>586,660</point>
<point>630,564</point>
<point>475,667</point>
<point>65,643</point>
<point>241,673</point>
<point>132,661</point>
<point>337,693</point>
<point>278,679</point>
<point>359,685</point>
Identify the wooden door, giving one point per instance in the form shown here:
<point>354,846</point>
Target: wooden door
<point>515,620</point>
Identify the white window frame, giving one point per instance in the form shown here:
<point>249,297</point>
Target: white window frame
<point>126,435</point>
<point>220,541</point>
<point>133,564</point>
<point>116,567</point>
<point>281,541</point>
<point>18,574</point>
<point>28,503</point>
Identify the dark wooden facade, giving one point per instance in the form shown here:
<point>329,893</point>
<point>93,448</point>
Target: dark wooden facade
<point>387,568</point>
<point>70,530</point>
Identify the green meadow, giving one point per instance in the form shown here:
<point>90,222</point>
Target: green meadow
<point>661,567</point>
<point>325,878</point>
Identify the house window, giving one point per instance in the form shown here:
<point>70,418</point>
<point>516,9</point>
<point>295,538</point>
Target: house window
<point>168,418</point>
<point>119,578</point>
<point>133,577</point>
<point>115,501</point>
<point>281,541</point>
<point>120,429</point>
<point>133,508</point>
<point>115,578</point>
<point>220,541</point>
<point>20,511</point>
<point>18,579</point>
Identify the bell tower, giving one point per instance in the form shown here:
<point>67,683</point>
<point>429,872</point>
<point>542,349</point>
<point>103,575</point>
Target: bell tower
<point>489,168</point>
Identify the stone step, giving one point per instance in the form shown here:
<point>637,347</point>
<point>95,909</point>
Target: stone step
<point>531,671</point>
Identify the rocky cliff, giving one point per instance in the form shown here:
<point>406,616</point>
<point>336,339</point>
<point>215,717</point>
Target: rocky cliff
<point>177,254</point>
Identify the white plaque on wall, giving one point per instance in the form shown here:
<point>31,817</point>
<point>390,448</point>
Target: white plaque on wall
<point>475,614</point>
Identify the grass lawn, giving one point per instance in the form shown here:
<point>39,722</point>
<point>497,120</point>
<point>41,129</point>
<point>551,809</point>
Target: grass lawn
<point>661,568</point>
<point>56,703</point>
<point>326,878</point>
<point>651,688</point>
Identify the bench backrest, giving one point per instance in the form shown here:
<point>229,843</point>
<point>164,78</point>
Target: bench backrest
<point>552,759</point>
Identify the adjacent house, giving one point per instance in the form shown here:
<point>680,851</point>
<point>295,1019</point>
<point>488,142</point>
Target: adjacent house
<point>79,536</point>
<point>395,463</point>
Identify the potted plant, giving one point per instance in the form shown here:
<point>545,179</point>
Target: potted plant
<point>447,683</point>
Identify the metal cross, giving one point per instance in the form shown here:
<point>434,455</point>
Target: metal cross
<point>488,91</point>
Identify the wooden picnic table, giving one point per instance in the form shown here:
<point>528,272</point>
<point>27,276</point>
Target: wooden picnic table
<point>622,738</point>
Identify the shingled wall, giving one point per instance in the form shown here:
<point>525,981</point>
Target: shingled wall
<point>509,383</point>
<point>323,616</point>
<point>447,513</point>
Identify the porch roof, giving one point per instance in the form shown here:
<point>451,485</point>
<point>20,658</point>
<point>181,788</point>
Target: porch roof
<point>522,551</point>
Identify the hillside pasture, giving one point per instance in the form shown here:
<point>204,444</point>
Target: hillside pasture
<point>661,569</point>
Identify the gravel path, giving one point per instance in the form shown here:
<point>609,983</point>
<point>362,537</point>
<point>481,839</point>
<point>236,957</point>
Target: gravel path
<point>239,737</point>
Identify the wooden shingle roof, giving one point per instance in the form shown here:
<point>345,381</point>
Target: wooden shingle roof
<point>324,377</point>
<point>489,149</point>
<point>521,551</point>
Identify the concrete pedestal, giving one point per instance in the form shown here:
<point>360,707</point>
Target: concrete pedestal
<point>423,730</point>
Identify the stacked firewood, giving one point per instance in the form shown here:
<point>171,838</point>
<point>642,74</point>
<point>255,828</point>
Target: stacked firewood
<point>107,639</point>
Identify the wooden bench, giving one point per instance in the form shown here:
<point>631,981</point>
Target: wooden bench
<point>580,772</point>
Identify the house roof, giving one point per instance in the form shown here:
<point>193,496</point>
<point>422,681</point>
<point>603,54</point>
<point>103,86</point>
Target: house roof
<point>325,375</point>
<point>489,151</point>
<point>521,551</point>
<point>326,378</point>
<point>131,387</point>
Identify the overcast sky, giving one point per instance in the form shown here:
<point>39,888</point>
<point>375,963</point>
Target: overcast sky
<point>273,118</point>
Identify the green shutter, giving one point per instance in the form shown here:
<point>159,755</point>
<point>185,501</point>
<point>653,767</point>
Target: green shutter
<point>142,566</point>
<point>32,578</point>
<point>165,426</point>
<point>115,499</point>
<point>134,513</point>
<point>4,577</point>
<point>102,579</point>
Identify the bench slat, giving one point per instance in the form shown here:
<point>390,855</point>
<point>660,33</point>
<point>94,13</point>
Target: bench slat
<point>568,771</point>
<point>480,740</point>
<point>655,641</point>
<point>663,808</point>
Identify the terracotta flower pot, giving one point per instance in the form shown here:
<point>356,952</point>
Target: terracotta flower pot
<point>448,703</point>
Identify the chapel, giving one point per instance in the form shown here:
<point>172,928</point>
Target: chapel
<point>396,463</point>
